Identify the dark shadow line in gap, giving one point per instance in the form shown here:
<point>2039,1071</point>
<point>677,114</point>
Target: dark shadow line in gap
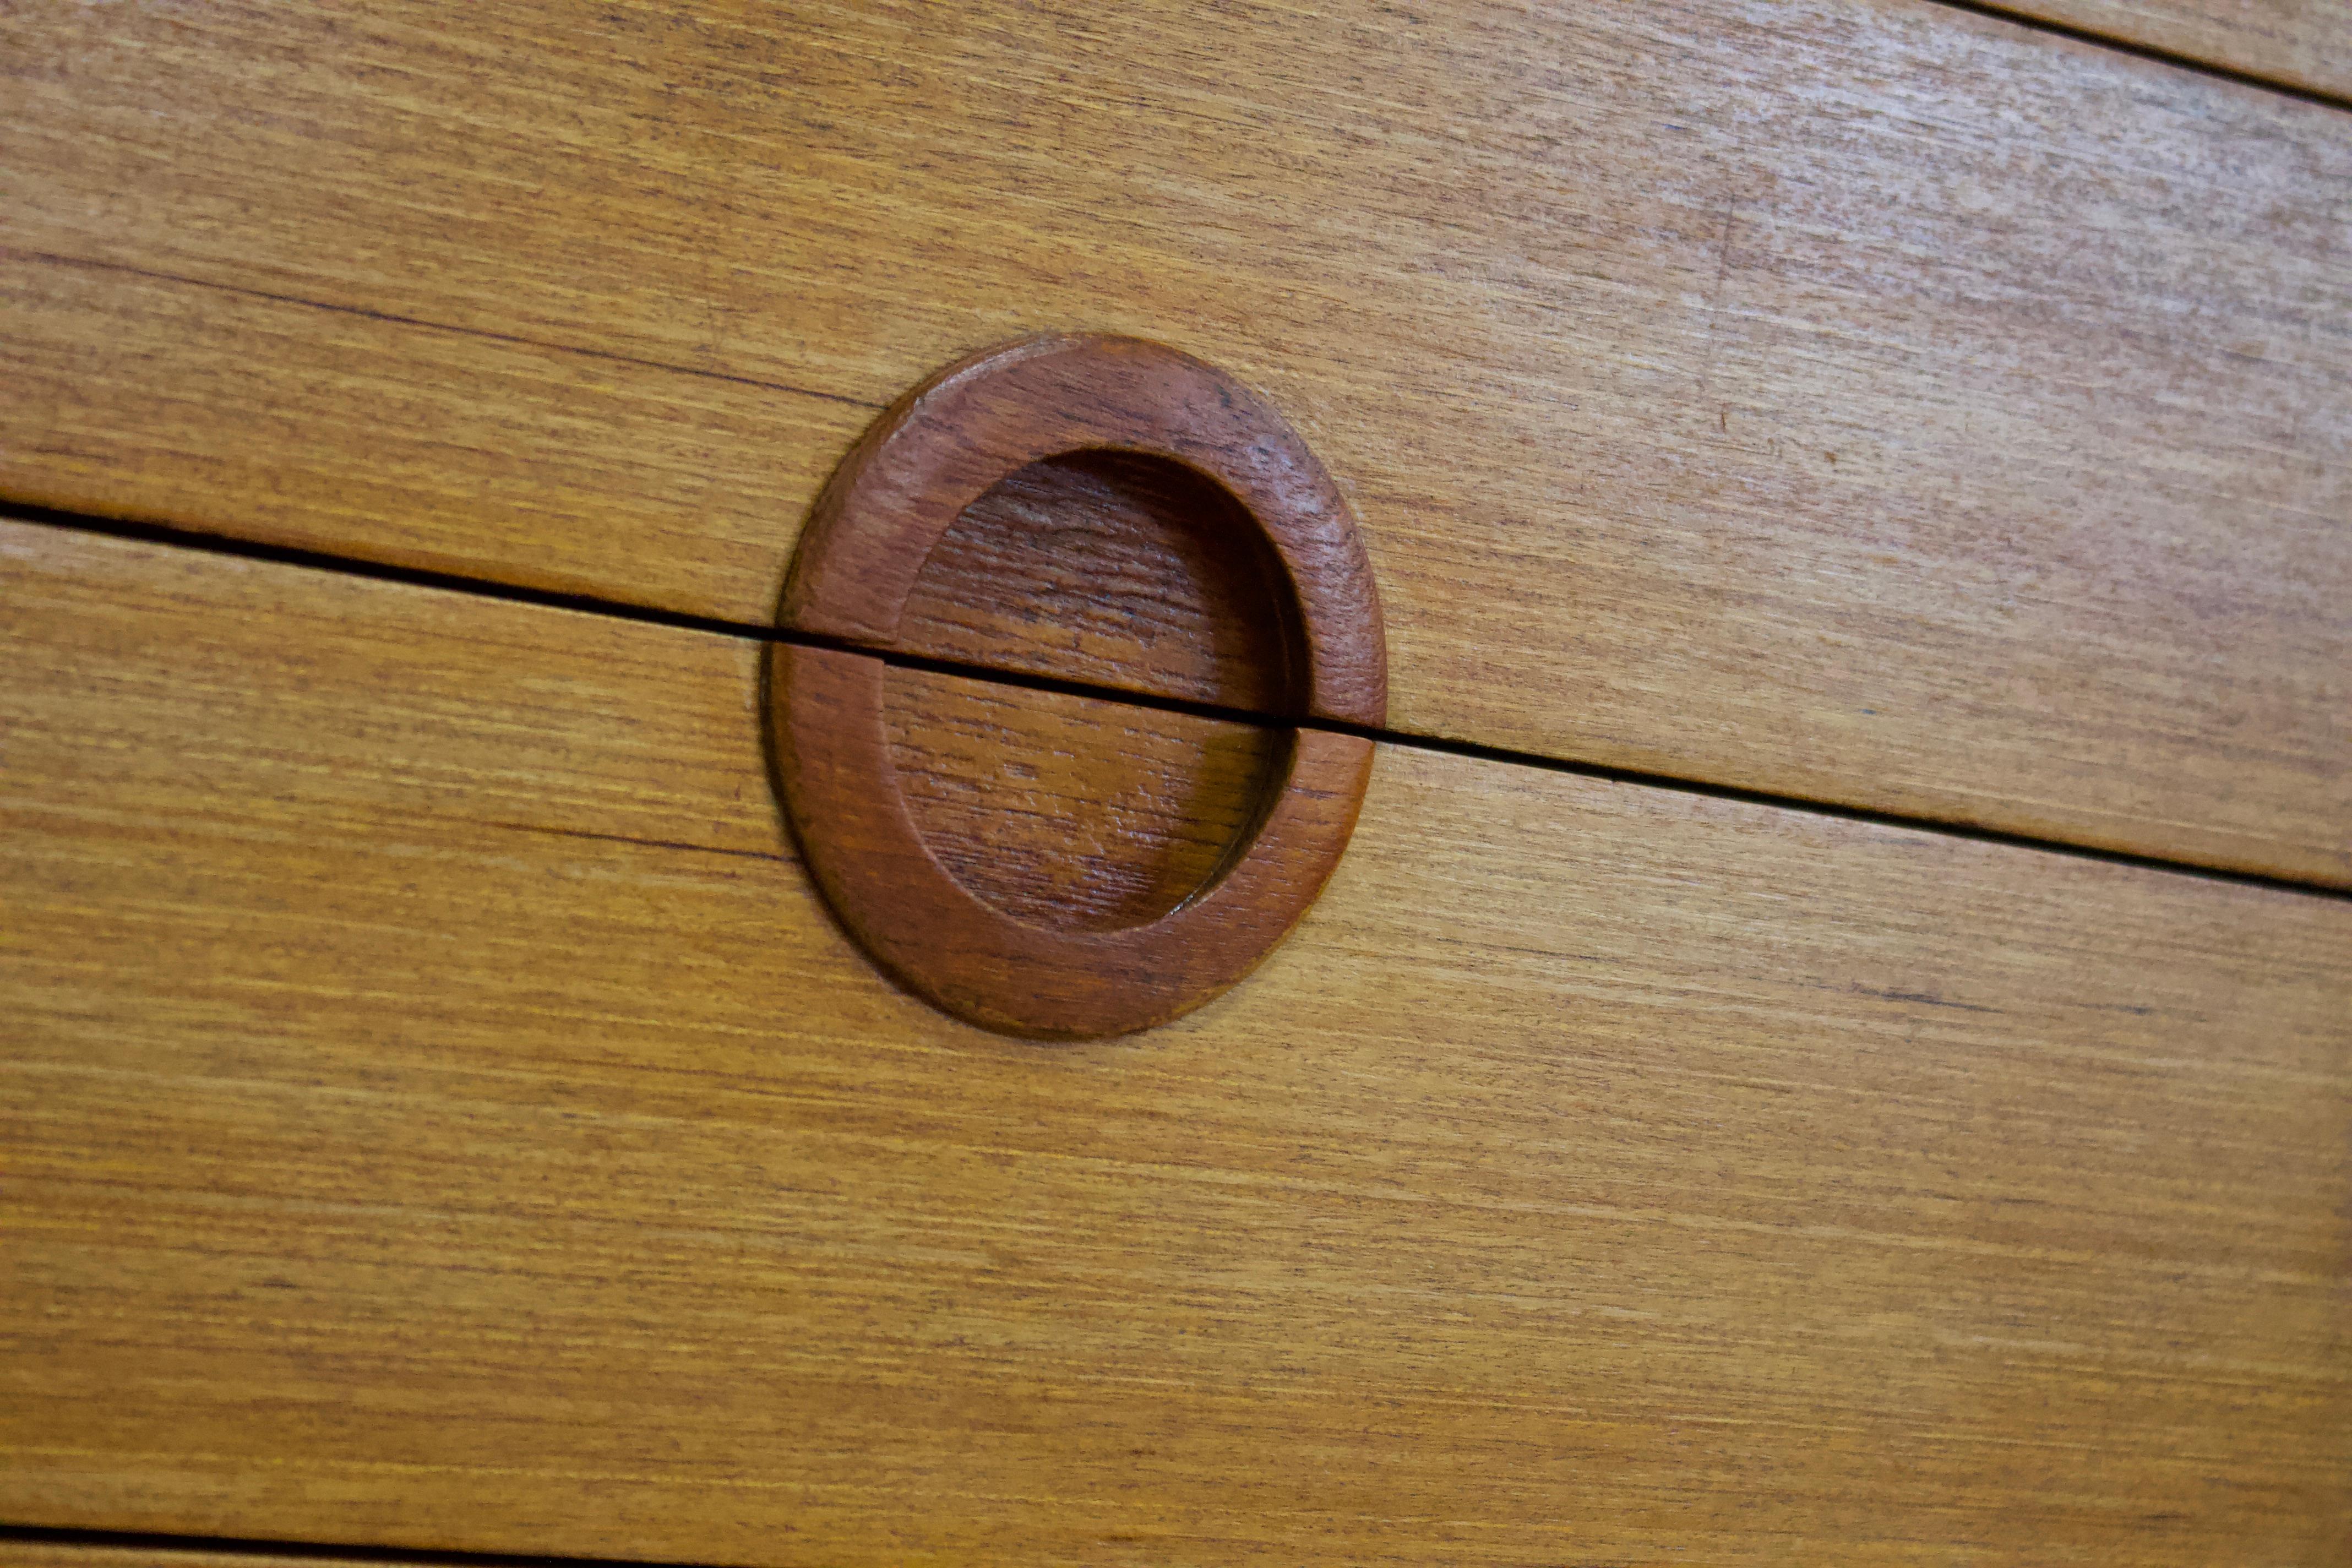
<point>306,1550</point>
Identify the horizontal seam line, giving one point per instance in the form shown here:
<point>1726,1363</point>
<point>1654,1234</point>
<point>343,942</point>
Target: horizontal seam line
<point>256,1546</point>
<point>2117,44</point>
<point>179,537</point>
<point>365,313</point>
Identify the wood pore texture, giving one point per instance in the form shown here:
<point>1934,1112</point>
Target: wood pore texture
<point>1115,571</point>
<point>1865,401</point>
<point>440,1113</point>
<point>2305,43</point>
<point>1068,811</point>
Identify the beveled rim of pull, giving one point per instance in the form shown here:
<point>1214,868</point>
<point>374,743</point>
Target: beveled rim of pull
<point>894,496</point>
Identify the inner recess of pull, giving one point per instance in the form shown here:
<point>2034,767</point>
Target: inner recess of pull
<point>1116,569</point>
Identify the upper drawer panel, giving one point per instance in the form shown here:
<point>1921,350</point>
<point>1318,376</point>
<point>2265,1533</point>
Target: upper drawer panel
<point>1877,403</point>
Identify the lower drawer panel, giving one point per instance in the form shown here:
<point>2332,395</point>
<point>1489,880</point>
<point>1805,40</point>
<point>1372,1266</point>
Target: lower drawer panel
<point>35,1550</point>
<point>438,1113</point>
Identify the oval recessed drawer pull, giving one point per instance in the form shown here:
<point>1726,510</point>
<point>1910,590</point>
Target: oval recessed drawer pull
<point>979,465</point>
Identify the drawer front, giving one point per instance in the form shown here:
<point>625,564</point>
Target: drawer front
<point>441,1113</point>
<point>1831,1037</point>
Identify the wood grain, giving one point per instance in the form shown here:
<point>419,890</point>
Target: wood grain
<point>1072,812</point>
<point>440,1113</point>
<point>1288,554</point>
<point>1869,402</point>
<point>274,420</point>
<point>20,1552</point>
<point>2306,44</point>
<point>1120,570</point>
<point>979,956</point>
<point>1115,571</point>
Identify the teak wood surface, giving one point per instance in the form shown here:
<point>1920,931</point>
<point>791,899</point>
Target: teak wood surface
<point>439,1112</point>
<point>2305,43</point>
<point>1870,402</point>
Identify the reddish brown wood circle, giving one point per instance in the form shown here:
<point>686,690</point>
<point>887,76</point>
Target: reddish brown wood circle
<point>894,498</point>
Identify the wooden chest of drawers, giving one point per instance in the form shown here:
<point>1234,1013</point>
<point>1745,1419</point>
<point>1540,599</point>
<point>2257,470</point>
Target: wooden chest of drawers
<point>1831,1039</point>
